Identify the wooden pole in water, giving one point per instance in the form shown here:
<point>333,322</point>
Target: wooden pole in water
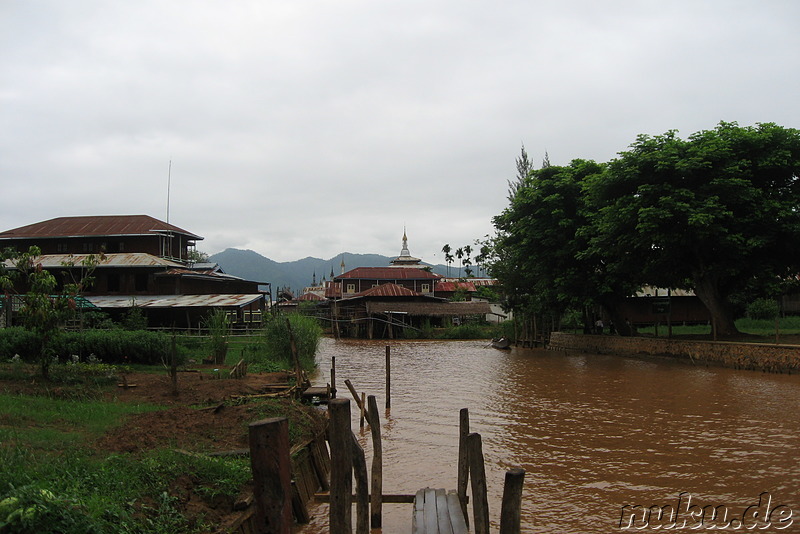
<point>477,472</point>
<point>340,520</point>
<point>356,397</point>
<point>376,497</point>
<point>272,484</point>
<point>510,511</point>
<point>362,490</point>
<point>333,377</point>
<point>463,460</point>
<point>388,377</point>
<point>363,406</point>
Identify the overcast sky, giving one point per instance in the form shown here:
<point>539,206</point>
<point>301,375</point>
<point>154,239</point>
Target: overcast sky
<point>309,128</point>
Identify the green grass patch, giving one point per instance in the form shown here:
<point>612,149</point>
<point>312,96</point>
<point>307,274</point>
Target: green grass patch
<point>54,424</point>
<point>75,493</point>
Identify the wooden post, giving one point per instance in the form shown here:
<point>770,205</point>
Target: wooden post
<point>271,465</point>
<point>333,377</point>
<point>376,497</point>
<point>477,473</point>
<point>463,460</point>
<point>510,511</point>
<point>356,397</point>
<point>362,490</point>
<point>388,377</point>
<point>363,406</point>
<point>340,520</point>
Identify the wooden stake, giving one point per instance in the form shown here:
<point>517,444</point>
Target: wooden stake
<point>363,406</point>
<point>510,512</point>
<point>463,460</point>
<point>477,472</point>
<point>333,377</point>
<point>376,497</point>
<point>362,491</point>
<point>340,520</point>
<point>356,397</point>
<point>272,485</point>
<point>388,377</point>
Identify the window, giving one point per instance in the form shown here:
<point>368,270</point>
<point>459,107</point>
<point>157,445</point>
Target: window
<point>112,282</point>
<point>426,288</point>
<point>88,247</point>
<point>141,282</point>
<point>61,247</point>
<point>351,288</point>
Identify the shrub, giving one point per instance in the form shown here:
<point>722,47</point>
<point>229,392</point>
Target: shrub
<point>763,309</point>
<point>275,344</point>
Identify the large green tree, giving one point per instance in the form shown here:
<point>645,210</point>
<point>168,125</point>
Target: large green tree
<point>541,252</point>
<point>718,212</point>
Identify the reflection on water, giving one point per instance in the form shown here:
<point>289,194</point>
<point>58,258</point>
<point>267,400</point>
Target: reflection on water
<point>593,433</point>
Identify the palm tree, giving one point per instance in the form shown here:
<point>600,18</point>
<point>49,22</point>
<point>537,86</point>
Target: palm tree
<point>459,255</point>
<point>448,258</point>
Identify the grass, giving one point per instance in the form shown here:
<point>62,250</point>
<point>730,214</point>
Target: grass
<point>25,413</point>
<point>53,481</point>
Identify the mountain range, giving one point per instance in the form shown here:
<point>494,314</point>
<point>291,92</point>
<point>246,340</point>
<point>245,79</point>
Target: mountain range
<point>299,273</point>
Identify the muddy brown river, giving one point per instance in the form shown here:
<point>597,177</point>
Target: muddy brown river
<point>593,433</point>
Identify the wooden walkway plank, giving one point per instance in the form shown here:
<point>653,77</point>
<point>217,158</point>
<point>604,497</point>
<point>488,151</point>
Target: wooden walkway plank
<point>431,517</point>
<point>443,513</point>
<point>458,520</point>
<point>418,520</point>
<point>438,512</point>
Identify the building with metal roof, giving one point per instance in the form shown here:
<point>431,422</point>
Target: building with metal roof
<point>140,262</point>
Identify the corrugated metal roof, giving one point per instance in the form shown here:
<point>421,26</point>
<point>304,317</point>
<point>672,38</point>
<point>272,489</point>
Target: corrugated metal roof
<point>121,259</point>
<point>96,225</point>
<point>387,290</point>
<point>174,301</point>
<point>453,286</point>
<point>430,308</point>
<point>388,273</point>
<point>310,297</point>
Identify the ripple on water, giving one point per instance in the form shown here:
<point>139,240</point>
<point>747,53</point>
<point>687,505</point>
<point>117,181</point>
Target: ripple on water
<point>592,432</point>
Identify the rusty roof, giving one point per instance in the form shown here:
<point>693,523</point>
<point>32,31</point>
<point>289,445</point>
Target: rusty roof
<point>175,301</point>
<point>96,225</point>
<point>453,286</point>
<point>310,297</point>
<point>388,273</point>
<point>387,290</point>
<point>122,259</point>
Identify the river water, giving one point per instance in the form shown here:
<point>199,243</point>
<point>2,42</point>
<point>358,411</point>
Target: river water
<point>593,433</point>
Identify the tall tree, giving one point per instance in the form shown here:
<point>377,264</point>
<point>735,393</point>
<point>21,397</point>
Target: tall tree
<point>540,251</point>
<point>524,168</point>
<point>448,259</point>
<point>460,256</point>
<point>718,212</point>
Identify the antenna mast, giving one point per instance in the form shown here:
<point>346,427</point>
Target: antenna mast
<point>169,180</point>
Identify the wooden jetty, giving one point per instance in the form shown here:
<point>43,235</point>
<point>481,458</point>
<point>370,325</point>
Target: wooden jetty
<point>437,511</point>
<point>284,481</point>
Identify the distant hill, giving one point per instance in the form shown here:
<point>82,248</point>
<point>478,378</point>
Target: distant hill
<point>299,273</point>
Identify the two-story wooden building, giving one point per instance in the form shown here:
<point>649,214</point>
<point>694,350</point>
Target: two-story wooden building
<point>144,263</point>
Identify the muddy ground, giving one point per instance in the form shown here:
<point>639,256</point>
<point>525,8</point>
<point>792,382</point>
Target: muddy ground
<point>208,414</point>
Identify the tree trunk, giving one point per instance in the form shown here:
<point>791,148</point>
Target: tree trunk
<point>611,306</point>
<point>707,289</point>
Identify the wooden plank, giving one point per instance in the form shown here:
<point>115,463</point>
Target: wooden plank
<point>443,513</point>
<point>418,517</point>
<point>392,498</point>
<point>431,518</point>
<point>457,518</point>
